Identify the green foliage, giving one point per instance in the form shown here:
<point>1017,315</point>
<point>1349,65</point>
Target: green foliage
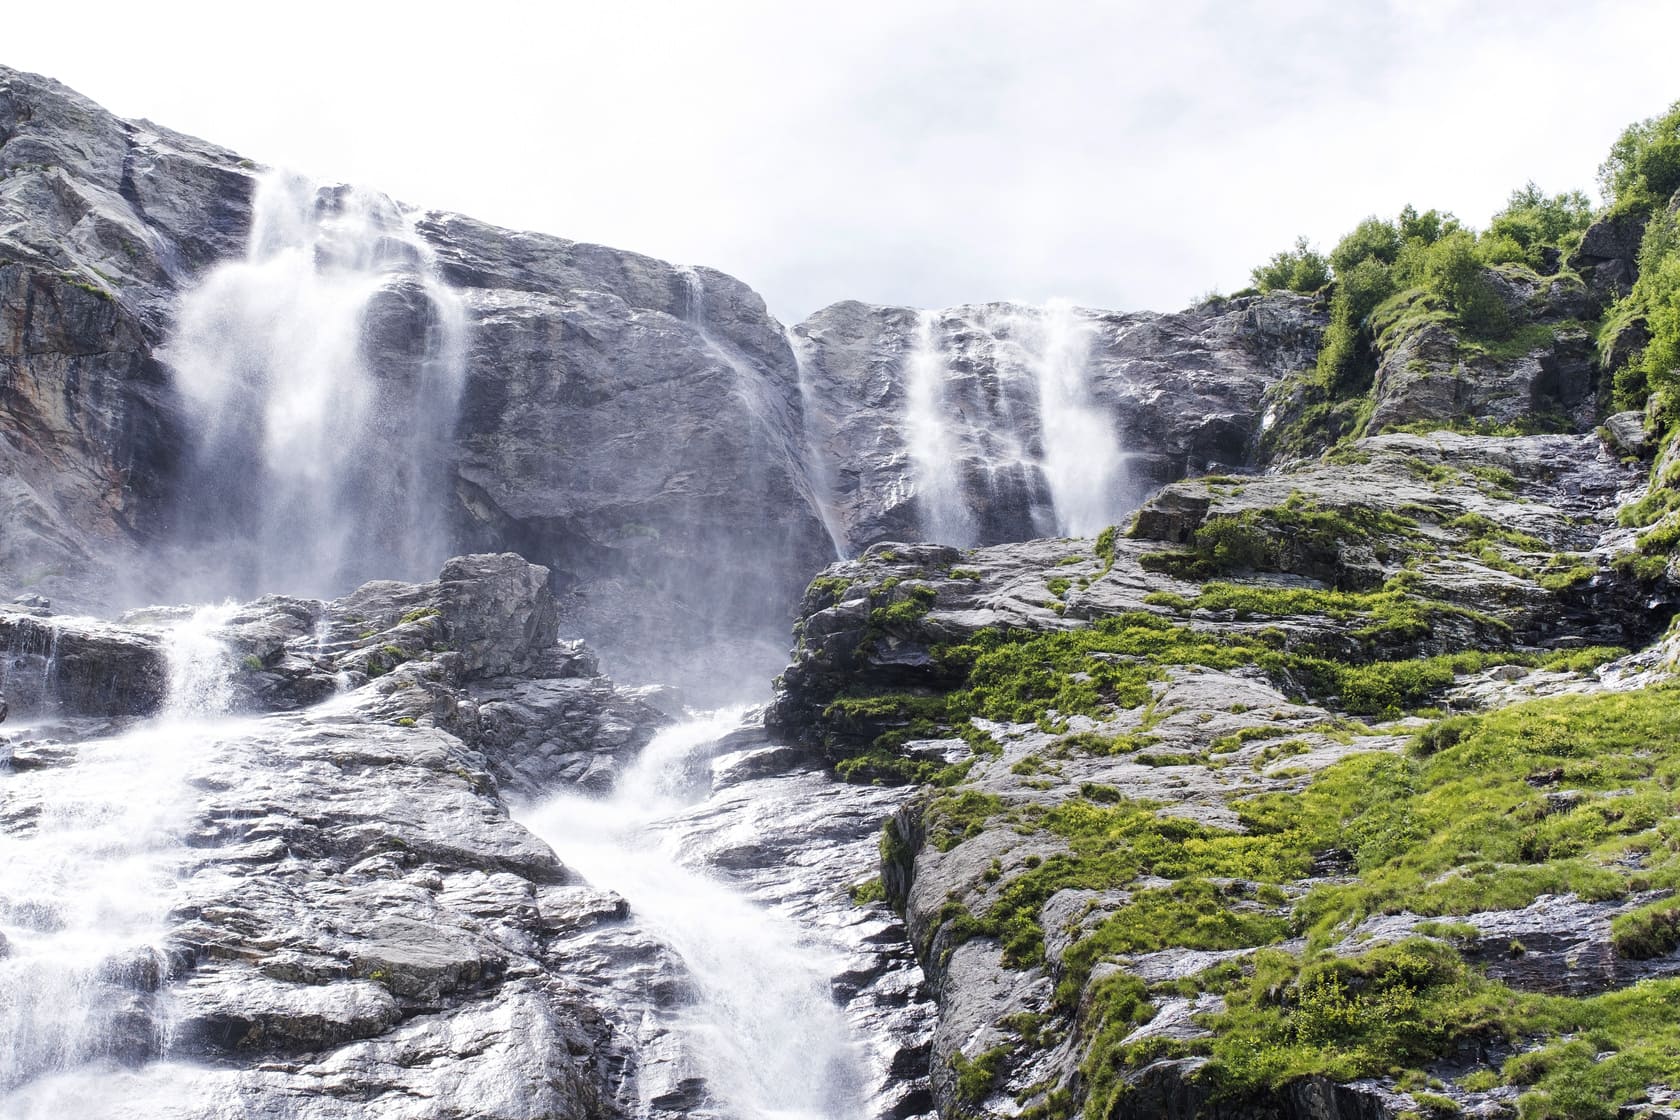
<point>1649,932</point>
<point>1459,826</point>
<point>878,766</point>
<point>1278,538</point>
<point>975,1077</point>
<point>251,663</point>
<point>1452,270</point>
<point>1371,240</point>
<point>1656,299</point>
<point>868,891</point>
<point>902,608</point>
<point>1349,1017</point>
<point>1301,269</point>
<point>828,589</point>
<point>1643,167</point>
<point>1425,229</point>
<point>1649,509</point>
<point>1104,548</point>
<point>1533,221</point>
<point>419,614</point>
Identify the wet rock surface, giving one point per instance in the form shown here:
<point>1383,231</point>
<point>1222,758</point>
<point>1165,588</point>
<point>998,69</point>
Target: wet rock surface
<point>1183,394</point>
<point>359,924</point>
<point>1478,522</point>
<point>698,485</point>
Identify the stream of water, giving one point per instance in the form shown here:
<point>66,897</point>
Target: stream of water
<point>90,851</point>
<point>321,374</point>
<point>763,1024</point>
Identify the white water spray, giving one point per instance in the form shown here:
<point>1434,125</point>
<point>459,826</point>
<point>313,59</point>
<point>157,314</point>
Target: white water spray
<point>322,373</point>
<point>91,851</point>
<point>821,471</point>
<point>1082,461</point>
<point>765,1029</point>
<point>946,517</point>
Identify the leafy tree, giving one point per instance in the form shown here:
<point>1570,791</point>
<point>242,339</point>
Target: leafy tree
<point>1452,270</point>
<point>1302,269</point>
<point>1533,221</point>
<point>1372,239</point>
<point>1365,285</point>
<point>1643,167</point>
<point>1427,227</point>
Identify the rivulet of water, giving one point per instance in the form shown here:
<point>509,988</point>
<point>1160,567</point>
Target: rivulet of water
<point>91,848</point>
<point>764,1028</point>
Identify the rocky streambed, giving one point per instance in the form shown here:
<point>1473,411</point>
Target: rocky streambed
<point>301,870</point>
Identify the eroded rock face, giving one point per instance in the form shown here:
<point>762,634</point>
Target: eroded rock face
<point>101,221</point>
<point>354,923</point>
<point>1515,542</point>
<point>1181,393</point>
<point>647,432</point>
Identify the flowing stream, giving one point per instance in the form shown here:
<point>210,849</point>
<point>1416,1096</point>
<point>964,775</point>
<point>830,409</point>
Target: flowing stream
<point>763,1024</point>
<point>91,848</point>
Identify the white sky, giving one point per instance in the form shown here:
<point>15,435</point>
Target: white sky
<point>925,152</point>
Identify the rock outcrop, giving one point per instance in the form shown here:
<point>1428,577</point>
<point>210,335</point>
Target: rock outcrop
<point>1447,571</point>
<point>1181,394</point>
<point>354,918</point>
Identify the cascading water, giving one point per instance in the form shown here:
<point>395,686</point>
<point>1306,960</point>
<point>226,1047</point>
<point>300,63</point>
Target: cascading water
<point>764,1027</point>
<point>1082,462</point>
<point>933,452</point>
<point>822,474</point>
<point>91,850</point>
<point>1047,457</point>
<point>322,375</point>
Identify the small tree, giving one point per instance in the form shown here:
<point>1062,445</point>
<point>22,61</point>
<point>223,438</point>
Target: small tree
<point>1302,269</point>
<point>1643,167</point>
<point>1453,271</point>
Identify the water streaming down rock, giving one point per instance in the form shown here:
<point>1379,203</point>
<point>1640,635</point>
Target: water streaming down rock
<point>934,463</point>
<point>762,1031</point>
<point>321,376</point>
<point>1079,455</point>
<point>1003,436</point>
<point>817,454</point>
<point>90,851</point>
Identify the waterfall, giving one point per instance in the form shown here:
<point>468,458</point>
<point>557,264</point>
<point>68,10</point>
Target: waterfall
<point>1049,455</point>
<point>321,376</point>
<point>764,1028</point>
<point>1082,462</point>
<point>945,514</point>
<point>820,470</point>
<point>90,859</point>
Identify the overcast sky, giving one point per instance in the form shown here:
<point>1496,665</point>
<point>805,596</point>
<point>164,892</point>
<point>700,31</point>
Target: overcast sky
<point>924,152</point>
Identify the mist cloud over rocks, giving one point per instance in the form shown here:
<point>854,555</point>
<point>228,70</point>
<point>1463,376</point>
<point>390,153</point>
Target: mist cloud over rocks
<point>1118,155</point>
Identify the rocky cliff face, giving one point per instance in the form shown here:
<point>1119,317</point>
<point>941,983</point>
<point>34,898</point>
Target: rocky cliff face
<point>678,460</point>
<point>1093,721</point>
<point>1176,394</point>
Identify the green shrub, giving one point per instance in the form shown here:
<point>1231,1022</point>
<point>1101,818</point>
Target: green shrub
<point>1650,932</point>
<point>1643,167</point>
<point>1453,271</point>
<point>1301,269</point>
